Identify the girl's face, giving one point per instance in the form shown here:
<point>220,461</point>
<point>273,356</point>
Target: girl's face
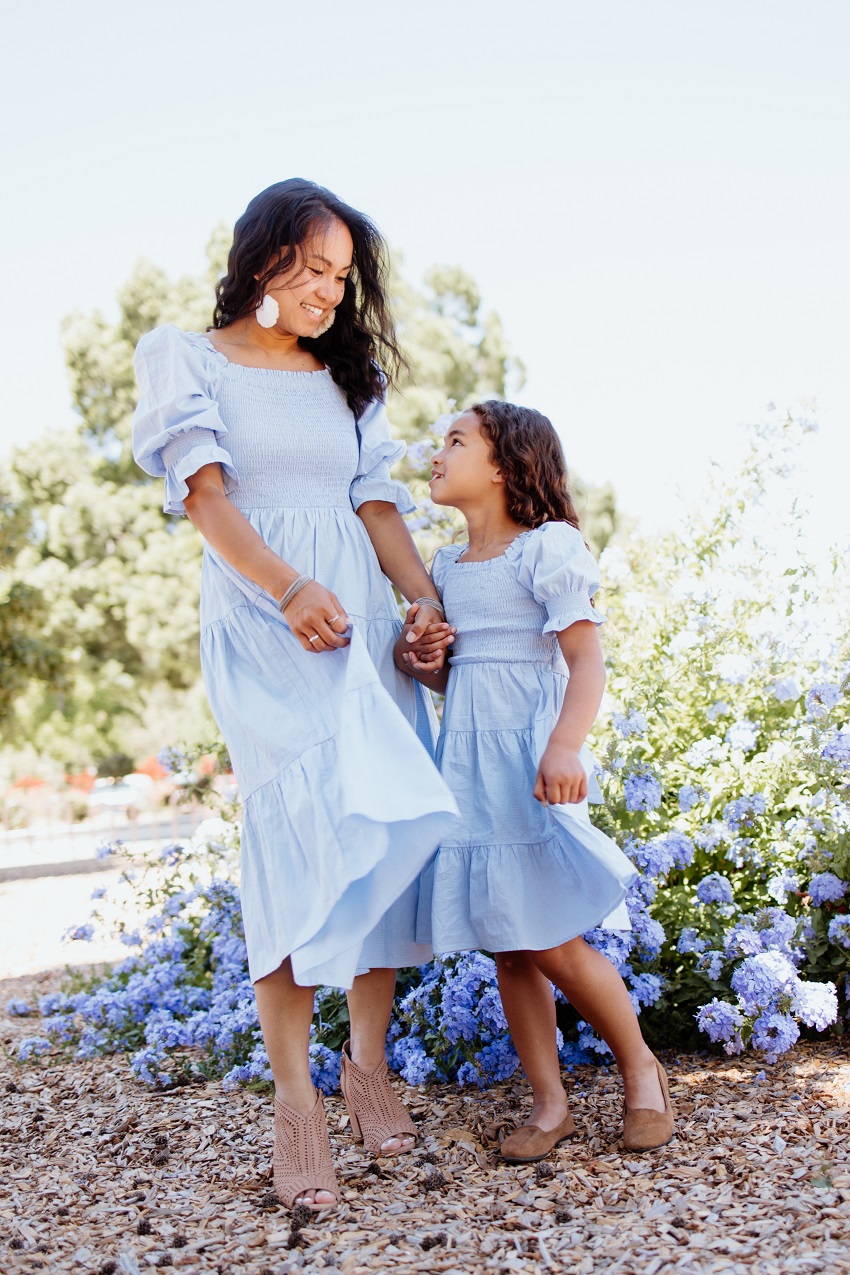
<point>312,289</point>
<point>463,472</point>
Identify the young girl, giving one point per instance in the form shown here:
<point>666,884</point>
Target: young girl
<point>528,874</point>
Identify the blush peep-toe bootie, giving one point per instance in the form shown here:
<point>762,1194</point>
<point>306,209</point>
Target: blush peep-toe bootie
<point>374,1109</point>
<point>645,1129</point>
<point>529,1142</point>
<point>302,1155</point>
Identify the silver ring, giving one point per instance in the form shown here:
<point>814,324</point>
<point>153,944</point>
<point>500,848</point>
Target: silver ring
<point>333,617</point>
<point>314,638</point>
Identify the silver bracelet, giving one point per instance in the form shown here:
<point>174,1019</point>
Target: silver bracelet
<point>297,585</point>
<point>430,602</point>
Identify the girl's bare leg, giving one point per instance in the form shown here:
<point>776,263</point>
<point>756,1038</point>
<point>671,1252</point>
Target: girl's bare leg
<point>370,1004</point>
<point>529,1006</point>
<point>593,986</point>
<point>286,1012</point>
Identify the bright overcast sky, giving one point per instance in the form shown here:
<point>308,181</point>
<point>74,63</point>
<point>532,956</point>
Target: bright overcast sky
<point>654,194</point>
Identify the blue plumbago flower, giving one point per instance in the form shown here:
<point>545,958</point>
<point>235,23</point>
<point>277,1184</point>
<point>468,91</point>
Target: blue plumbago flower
<point>711,835</point>
<point>782,884</point>
<point>172,853</point>
<point>786,689</point>
<point>839,931</point>
<point>588,1040</point>
<point>691,795</point>
<point>715,888</point>
<point>711,962</point>
<point>59,1027</point>
<point>826,887</point>
<point>689,941</point>
<point>661,854</point>
<point>722,1023</point>
<point>774,1033</point>
<point>107,848</point>
<point>838,748</point>
<point>646,987</point>
<point>742,812</point>
<point>761,981</point>
<point>172,760</point>
<point>642,791</point>
<point>55,1003</point>
<point>17,1008</point>
<point>821,698</point>
<point>80,933</point>
<point>325,1067</point>
<point>718,709</point>
<point>734,668</point>
<point>99,893</point>
<point>816,1004</point>
<point>631,723</point>
<point>742,735</point>
<point>769,929</point>
<point>147,1064</point>
<point>408,1057</point>
<point>32,1047</point>
<point>704,752</point>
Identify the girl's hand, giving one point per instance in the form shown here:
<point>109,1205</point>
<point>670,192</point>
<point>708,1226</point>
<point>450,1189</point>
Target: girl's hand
<point>317,618</point>
<point>560,777</point>
<point>425,639</point>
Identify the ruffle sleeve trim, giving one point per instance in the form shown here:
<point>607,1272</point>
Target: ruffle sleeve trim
<point>554,563</point>
<point>176,487</point>
<point>378,452</point>
<point>178,374</point>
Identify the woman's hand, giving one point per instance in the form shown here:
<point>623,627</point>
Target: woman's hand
<point>317,618</point>
<point>561,777</point>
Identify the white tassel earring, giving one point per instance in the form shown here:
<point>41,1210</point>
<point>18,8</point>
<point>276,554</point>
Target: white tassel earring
<point>267,312</point>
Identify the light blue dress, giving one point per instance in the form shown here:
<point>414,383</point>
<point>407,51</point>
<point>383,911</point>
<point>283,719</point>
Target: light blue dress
<point>342,804</point>
<point>519,875</point>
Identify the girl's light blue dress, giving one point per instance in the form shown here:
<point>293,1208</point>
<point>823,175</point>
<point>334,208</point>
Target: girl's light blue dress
<point>520,875</point>
<point>342,804</point>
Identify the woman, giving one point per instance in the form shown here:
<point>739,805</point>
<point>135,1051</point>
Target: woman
<point>271,435</point>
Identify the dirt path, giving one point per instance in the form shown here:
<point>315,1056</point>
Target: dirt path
<point>102,1176</point>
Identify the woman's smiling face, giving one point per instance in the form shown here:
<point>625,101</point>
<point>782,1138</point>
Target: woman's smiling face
<point>310,291</point>
<point>462,471</point>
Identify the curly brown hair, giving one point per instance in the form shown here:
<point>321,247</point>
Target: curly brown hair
<point>529,455</point>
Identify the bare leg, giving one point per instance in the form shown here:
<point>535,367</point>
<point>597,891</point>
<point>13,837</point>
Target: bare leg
<point>286,1012</point>
<point>529,1007</point>
<point>593,986</point>
<point>370,1004</point>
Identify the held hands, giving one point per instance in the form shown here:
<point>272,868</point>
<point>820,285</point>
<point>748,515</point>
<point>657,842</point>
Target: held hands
<point>317,618</point>
<point>424,639</point>
<point>560,777</point>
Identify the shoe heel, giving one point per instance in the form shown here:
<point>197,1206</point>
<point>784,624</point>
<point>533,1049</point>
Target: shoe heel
<point>355,1125</point>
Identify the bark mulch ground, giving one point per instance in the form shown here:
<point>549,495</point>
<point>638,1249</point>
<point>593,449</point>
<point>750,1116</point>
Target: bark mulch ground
<point>99,1175</point>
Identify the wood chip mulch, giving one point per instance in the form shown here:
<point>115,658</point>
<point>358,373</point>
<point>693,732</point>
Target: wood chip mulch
<point>99,1176</point>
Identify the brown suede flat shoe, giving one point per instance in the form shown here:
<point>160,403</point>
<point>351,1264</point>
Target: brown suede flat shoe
<point>645,1129</point>
<point>530,1142</point>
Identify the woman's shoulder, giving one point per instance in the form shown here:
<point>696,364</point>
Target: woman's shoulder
<point>168,339</point>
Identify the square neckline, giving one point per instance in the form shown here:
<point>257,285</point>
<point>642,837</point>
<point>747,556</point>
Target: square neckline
<point>255,367</point>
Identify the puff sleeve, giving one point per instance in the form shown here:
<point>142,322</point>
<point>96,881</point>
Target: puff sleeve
<point>562,575</point>
<point>177,427</point>
<point>378,451</point>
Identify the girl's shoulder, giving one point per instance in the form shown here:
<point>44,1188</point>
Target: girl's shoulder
<point>549,543</point>
<point>444,558</point>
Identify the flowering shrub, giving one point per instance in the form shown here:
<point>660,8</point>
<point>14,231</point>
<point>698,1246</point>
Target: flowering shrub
<point>724,760</point>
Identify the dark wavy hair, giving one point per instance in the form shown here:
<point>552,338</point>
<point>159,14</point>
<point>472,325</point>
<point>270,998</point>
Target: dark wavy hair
<point>529,455</point>
<point>360,350</point>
